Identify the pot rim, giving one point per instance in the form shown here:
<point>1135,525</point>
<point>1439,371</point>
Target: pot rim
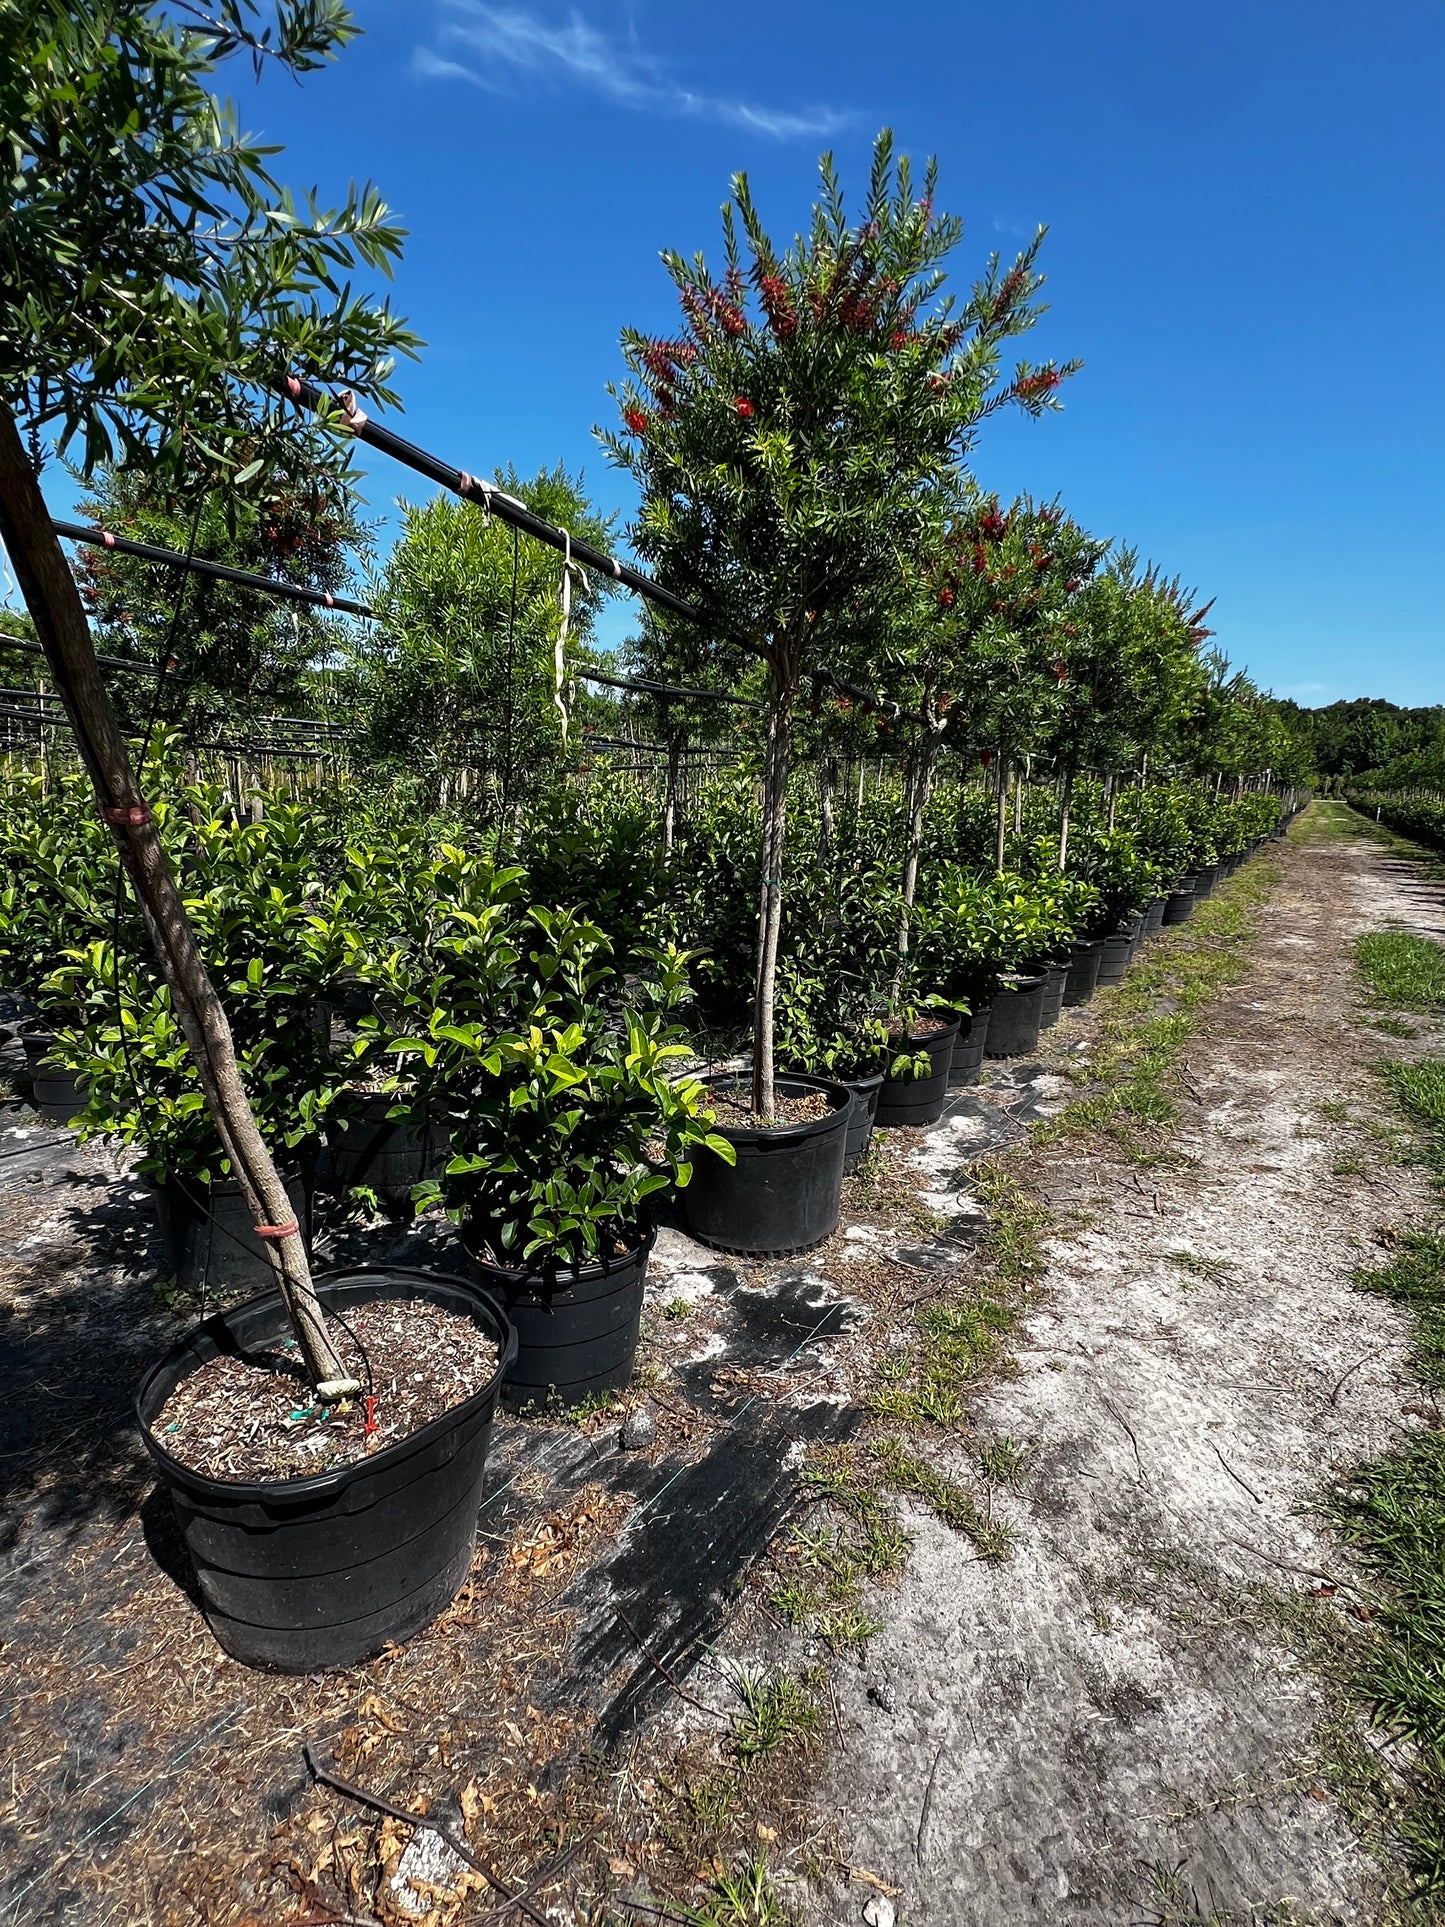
<point>572,1274</point>
<point>321,1485</point>
<point>838,1094</point>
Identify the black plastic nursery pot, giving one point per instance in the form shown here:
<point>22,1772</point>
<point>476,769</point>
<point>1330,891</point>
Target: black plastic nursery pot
<point>1087,953</point>
<point>577,1326</point>
<point>1179,906</point>
<point>1117,952</point>
<point>860,1119</point>
<point>210,1239</point>
<point>298,1575</point>
<point>57,1092</point>
<point>1013,1024</point>
<point>1056,981</point>
<point>784,1193</point>
<point>920,1101</point>
<point>1205,879</point>
<point>969,1047</point>
<point>388,1155</point>
<point>1153,918</point>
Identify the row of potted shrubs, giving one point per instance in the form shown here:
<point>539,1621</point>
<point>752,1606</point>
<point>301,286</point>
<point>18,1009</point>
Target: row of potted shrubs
<point>412,1024</point>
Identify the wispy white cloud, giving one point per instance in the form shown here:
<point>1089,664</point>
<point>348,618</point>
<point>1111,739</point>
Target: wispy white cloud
<point>497,46</point>
<point>1306,689</point>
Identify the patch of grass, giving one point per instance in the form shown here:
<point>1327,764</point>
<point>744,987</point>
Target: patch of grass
<point>848,1627</point>
<point>1404,971</point>
<point>1416,1277</point>
<point>1219,1271</point>
<point>1350,1168</point>
<point>1391,1026</point>
<point>958,1344</point>
<point>1421,1091</point>
<point>905,1471</point>
<point>745,1897</point>
<point>1150,1017</point>
<point>1003,1461</point>
<point>776,1706</point>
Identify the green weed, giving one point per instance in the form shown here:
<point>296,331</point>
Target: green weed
<point>1219,1271</point>
<point>743,1898</point>
<point>675,1309</point>
<point>944,1497</point>
<point>1003,1461</point>
<point>776,1707</point>
<point>1416,1276</point>
<point>1403,971</point>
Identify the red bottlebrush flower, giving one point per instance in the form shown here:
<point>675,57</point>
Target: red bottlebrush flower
<point>1037,386</point>
<point>936,380</point>
<point>1072,588</point>
<point>742,406</point>
<point>728,315</point>
<point>899,338</point>
<point>778,306</point>
<point>1008,288</point>
<point>842,704</point>
<point>696,312</point>
<point>636,420</point>
<point>945,598</point>
<point>993,525</point>
<point>1060,673</point>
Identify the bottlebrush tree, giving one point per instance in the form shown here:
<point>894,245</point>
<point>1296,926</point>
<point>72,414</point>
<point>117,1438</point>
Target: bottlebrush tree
<point>790,441</point>
<point>982,661</point>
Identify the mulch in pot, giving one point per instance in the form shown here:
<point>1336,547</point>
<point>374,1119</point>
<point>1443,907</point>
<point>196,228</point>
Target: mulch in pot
<point>735,1108</point>
<point>237,1419</point>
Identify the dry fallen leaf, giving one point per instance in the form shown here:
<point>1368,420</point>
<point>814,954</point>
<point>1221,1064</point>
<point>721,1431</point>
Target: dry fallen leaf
<point>624,1869</point>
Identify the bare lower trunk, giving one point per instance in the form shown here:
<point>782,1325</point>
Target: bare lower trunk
<point>55,607</point>
<point>1065,801</point>
<point>770,899</point>
<point>669,808</point>
<point>1020,779</point>
<point>920,782</point>
<point>827,791</point>
<point>1001,830</point>
<point>1113,800</point>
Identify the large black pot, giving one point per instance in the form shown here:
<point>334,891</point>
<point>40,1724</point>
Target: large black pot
<point>1013,1023</point>
<point>784,1193</point>
<point>860,1119</point>
<point>57,1092</point>
<point>1153,918</point>
<point>210,1237</point>
<point>368,1150</point>
<point>922,1100</point>
<point>577,1326</point>
<point>1117,952</point>
<point>969,1047</point>
<point>301,1574</point>
<point>1205,879</point>
<point>1087,954</point>
<point>1179,907</point>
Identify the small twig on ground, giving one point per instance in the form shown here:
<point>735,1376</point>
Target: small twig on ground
<point>458,1846</point>
<point>1116,1414</point>
<point>1340,1381</point>
<point>542,1879</point>
<point>672,1680</point>
<point>920,1845</point>
<point>1243,1484</point>
<point>1308,1572</point>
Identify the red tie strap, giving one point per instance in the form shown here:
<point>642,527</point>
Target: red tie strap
<point>277,1230</point>
<point>128,816</point>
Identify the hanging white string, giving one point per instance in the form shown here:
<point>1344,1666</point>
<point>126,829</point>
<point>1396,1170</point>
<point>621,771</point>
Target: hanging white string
<point>559,654</point>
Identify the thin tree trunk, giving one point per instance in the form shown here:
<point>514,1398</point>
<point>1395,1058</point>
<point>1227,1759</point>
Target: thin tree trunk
<point>669,808</point>
<point>827,790</point>
<point>920,782</point>
<point>1002,830</point>
<point>1113,800</point>
<point>770,901</point>
<point>1067,798</point>
<point>60,622</point>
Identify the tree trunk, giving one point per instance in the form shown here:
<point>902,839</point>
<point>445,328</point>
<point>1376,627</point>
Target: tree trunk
<point>669,808</point>
<point>920,782</point>
<point>827,790</point>
<point>1113,801</point>
<point>1001,830</point>
<point>60,622</point>
<point>1067,797</point>
<point>770,901</point>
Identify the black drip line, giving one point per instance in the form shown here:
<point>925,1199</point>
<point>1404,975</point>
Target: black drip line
<point>221,571</point>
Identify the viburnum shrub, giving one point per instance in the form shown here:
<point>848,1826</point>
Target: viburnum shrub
<point>790,440</point>
<point>57,886</point>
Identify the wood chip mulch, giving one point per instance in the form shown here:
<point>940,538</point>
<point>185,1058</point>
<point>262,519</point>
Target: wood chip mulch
<point>233,1419</point>
<point>736,1108</point>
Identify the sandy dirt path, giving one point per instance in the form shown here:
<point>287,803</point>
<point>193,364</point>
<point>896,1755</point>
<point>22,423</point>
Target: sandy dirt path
<point>1114,1725</point>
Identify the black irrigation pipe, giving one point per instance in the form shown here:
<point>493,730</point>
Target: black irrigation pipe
<point>649,687</point>
<point>106,662</point>
<point>517,515</point>
<point>222,571</point>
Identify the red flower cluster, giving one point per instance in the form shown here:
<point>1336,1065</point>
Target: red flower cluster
<point>899,338</point>
<point>993,526</point>
<point>1036,386</point>
<point>636,419</point>
<point>945,598</point>
<point>778,306</point>
<point>1008,288</point>
<point>1060,673</point>
<point>742,406</point>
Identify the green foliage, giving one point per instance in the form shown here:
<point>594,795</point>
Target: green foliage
<point>460,670</point>
<point>775,1707</point>
<point>57,885</point>
<point>159,279</point>
<point>1404,971</point>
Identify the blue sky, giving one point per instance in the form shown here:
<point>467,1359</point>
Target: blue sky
<point>1245,211</point>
